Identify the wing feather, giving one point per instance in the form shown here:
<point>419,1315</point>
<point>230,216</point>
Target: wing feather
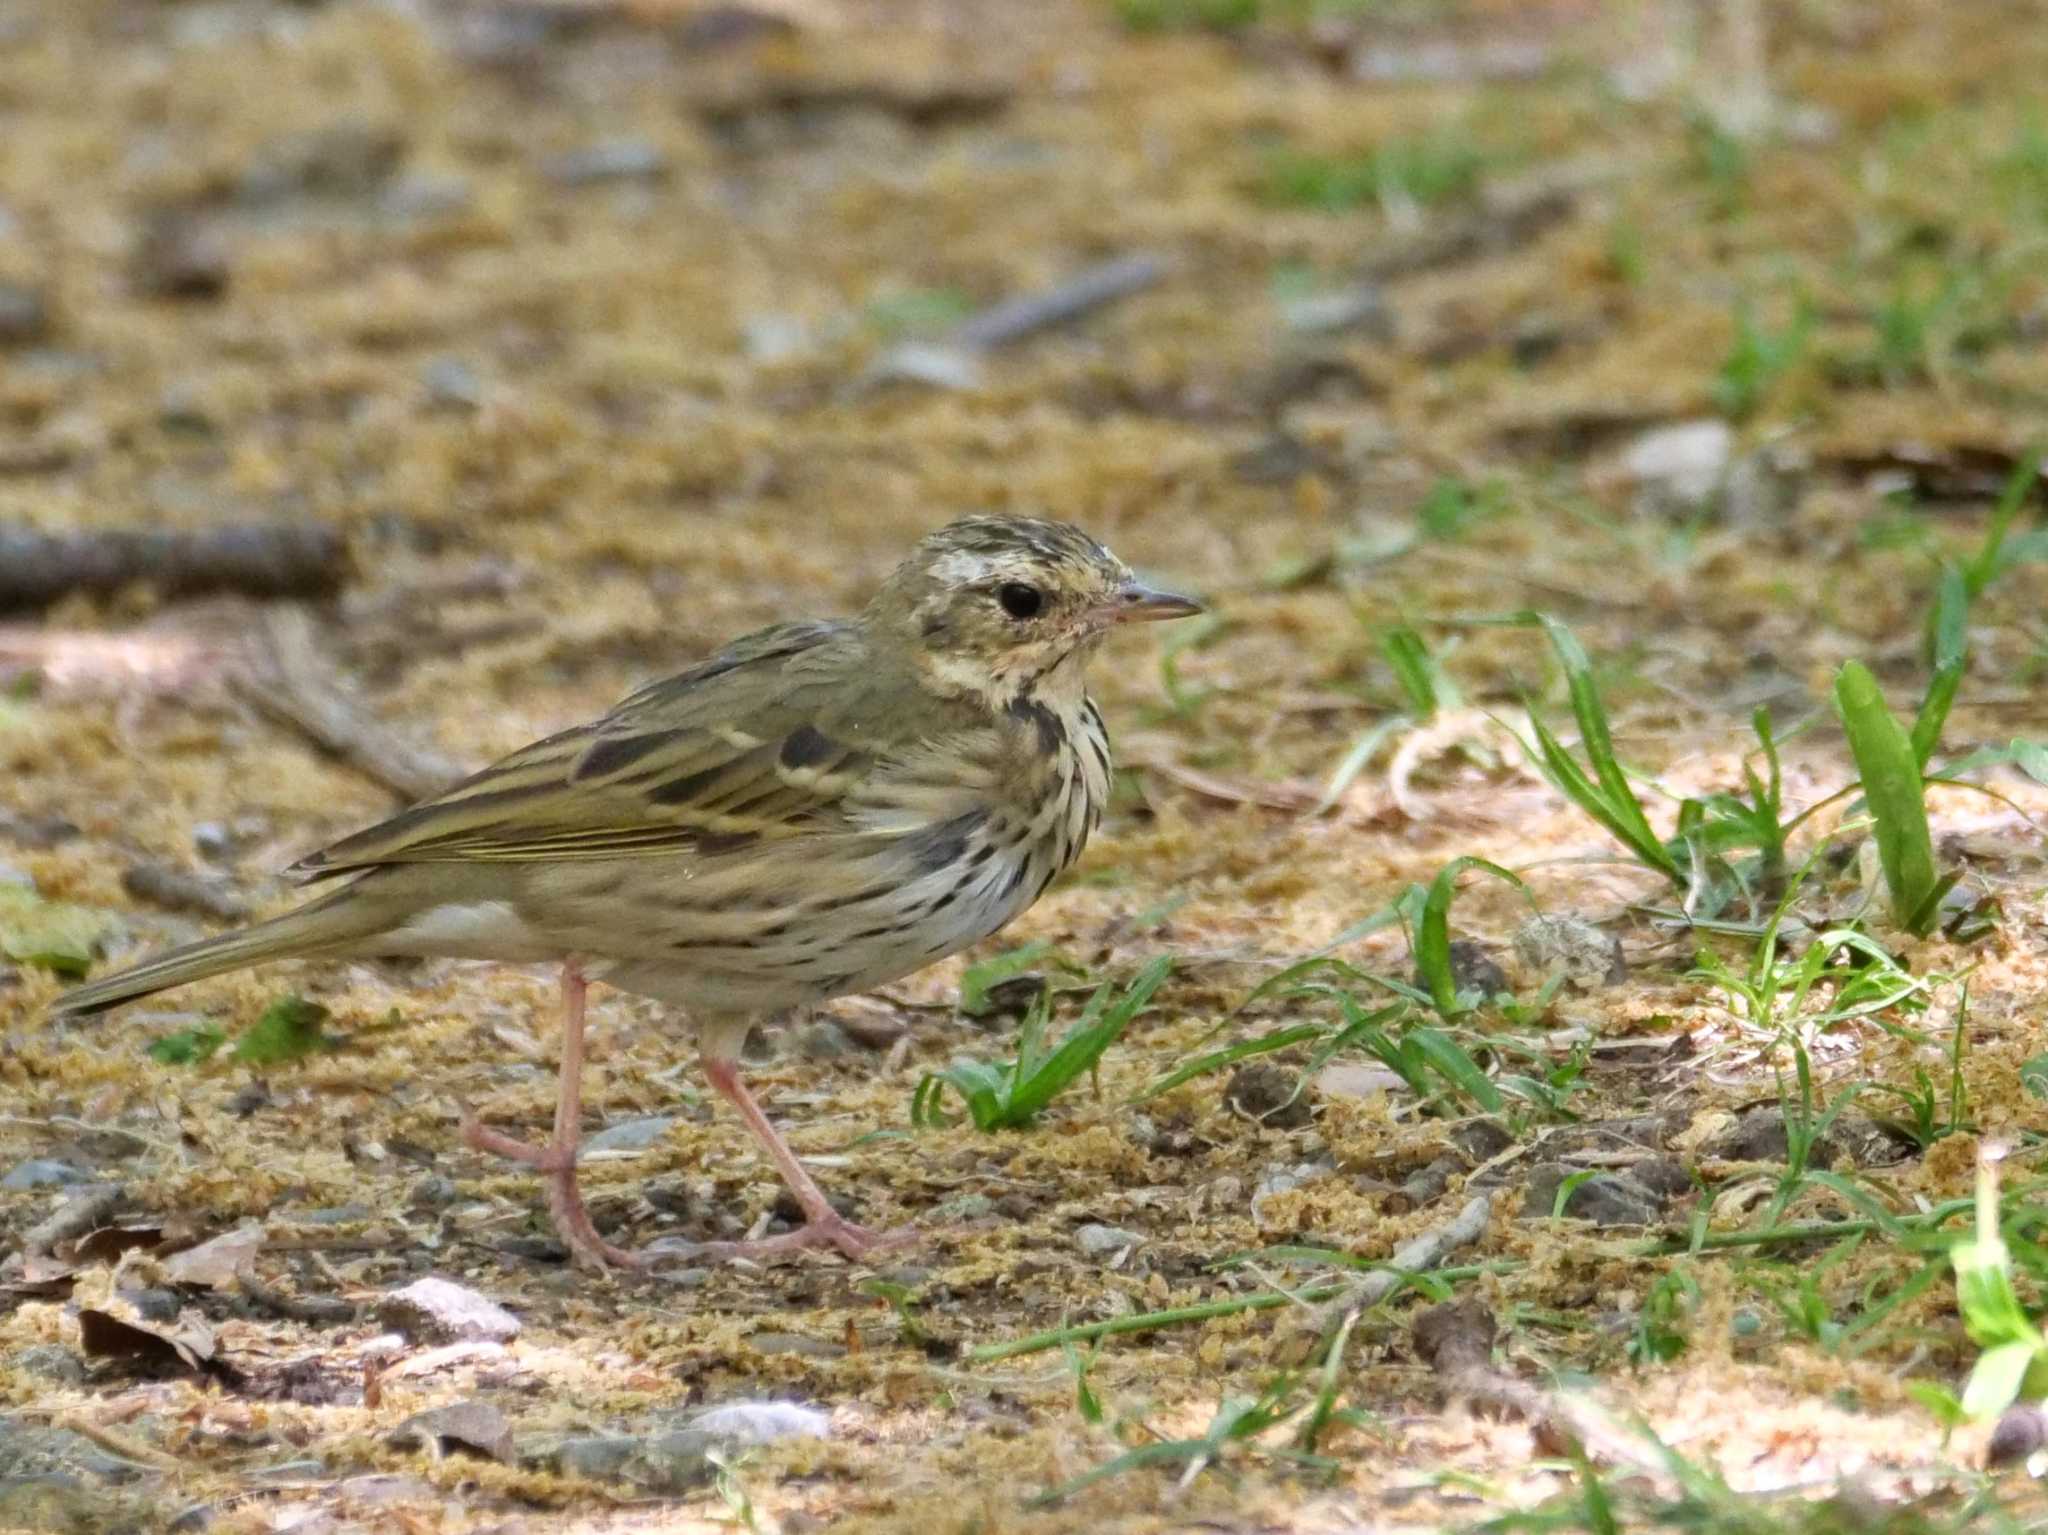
<point>756,744</point>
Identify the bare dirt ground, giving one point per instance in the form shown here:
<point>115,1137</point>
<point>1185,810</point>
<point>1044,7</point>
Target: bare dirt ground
<point>604,331</point>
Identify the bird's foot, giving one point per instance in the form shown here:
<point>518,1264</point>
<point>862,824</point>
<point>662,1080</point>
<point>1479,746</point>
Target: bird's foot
<point>478,1136</point>
<point>565,1199</point>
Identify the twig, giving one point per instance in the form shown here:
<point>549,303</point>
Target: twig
<point>321,1310</point>
<point>1417,1255</point>
<point>1090,288</point>
<point>289,559</point>
<point>953,361</point>
<point>1150,1321</point>
<point>88,1208</point>
<point>289,678</point>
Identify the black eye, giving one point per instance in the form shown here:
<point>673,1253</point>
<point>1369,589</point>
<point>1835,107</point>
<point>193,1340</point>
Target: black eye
<point>1019,600</point>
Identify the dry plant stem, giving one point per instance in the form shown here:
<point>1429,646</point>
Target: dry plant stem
<point>1423,1252</point>
<point>1090,288</point>
<point>254,560</point>
<point>288,678</point>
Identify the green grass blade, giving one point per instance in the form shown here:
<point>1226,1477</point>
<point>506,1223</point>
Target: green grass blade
<point>1432,941</point>
<point>1201,1065</point>
<point>1099,1028</point>
<point>1892,788</point>
<point>1951,637</point>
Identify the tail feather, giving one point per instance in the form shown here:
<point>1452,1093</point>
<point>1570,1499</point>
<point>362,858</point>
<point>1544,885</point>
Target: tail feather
<point>336,924</point>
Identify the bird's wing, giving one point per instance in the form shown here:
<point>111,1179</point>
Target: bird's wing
<point>770,739</point>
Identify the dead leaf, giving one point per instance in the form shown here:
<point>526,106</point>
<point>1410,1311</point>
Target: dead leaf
<point>116,1329</point>
<point>216,1263</point>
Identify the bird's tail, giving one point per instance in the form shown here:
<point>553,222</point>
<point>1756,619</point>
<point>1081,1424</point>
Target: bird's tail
<point>336,923</point>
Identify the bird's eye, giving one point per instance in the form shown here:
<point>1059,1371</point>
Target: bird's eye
<point>1019,600</point>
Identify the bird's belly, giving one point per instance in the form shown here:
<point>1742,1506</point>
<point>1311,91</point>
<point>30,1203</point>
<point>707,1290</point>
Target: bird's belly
<point>812,954</point>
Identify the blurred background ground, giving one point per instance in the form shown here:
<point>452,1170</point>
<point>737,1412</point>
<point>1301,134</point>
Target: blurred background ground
<point>601,332</point>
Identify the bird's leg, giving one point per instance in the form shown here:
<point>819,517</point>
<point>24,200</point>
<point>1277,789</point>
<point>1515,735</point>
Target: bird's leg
<point>823,1226</point>
<point>557,1160</point>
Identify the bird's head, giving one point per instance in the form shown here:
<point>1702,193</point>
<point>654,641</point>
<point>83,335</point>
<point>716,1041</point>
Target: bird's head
<point>998,607</point>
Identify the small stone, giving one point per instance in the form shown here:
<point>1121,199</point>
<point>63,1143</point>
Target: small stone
<point>631,1134</point>
<point>38,832</point>
<point>1586,956</point>
<point>437,1310</point>
<point>42,1173</point>
<point>773,338</point>
<point>1474,971</point>
<point>871,1025</point>
<point>1264,1092</point>
<point>24,315</point>
<point>1099,1241</point>
<point>1680,468</point>
<point>1605,1199</point>
<point>749,1423</point>
<point>51,1362</point>
<point>346,159</point>
<point>29,1450</point>
<point>1355,1079</point>
<point>182,257</point>
<point>820,1039</point>
<point>795,1343</point>
<point>964,1207</point>
<point>1362,309</point>
<point>928,363</point>
<point>613,160</point>
<point>674,1462</point>
<point>433,1192</point>
<point>425,197</point>
<point>477,1428</point>
<point>2022,1430</point>
<point>595,1457</point>
<point>452,384</point>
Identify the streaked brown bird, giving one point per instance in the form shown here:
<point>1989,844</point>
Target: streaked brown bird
<point>818,809</point>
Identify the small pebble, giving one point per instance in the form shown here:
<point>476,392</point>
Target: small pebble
<point>613,160</point>
<point>797,1344</point>
<point>1586,956</point>
<point>1474,971</point>
<point>437,1310</point>
<point>763,1422</point>
<point>631,1134</point>
<point>24,315</point>
<point>50,1362</point>
<point>42,1173</point>
<point>452,384</point>
<point>1262,1091</point>
<point>433,1192</point>
<point>181,257</point>
<point>1100,1241</point>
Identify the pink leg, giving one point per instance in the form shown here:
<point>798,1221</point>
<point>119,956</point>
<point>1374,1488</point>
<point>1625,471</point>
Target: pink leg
<point>557,1159</point>
<point>823,1226</point>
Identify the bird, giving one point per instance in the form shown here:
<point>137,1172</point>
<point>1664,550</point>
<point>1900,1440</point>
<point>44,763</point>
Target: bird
<point>818,809</point>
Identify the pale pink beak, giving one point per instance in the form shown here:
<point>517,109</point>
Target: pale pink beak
<point>1138,603</point>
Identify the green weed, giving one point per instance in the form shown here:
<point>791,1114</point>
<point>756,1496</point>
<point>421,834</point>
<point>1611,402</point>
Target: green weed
<point>1005,1097</point>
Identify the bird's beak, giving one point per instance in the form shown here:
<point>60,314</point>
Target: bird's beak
<point>1139,603</point>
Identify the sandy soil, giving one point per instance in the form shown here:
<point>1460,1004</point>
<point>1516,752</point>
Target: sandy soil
<point>586,324</point>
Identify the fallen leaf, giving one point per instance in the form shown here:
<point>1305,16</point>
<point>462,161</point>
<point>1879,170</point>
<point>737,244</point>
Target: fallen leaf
<point>114,1328</point>
<point>218,1262</point>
